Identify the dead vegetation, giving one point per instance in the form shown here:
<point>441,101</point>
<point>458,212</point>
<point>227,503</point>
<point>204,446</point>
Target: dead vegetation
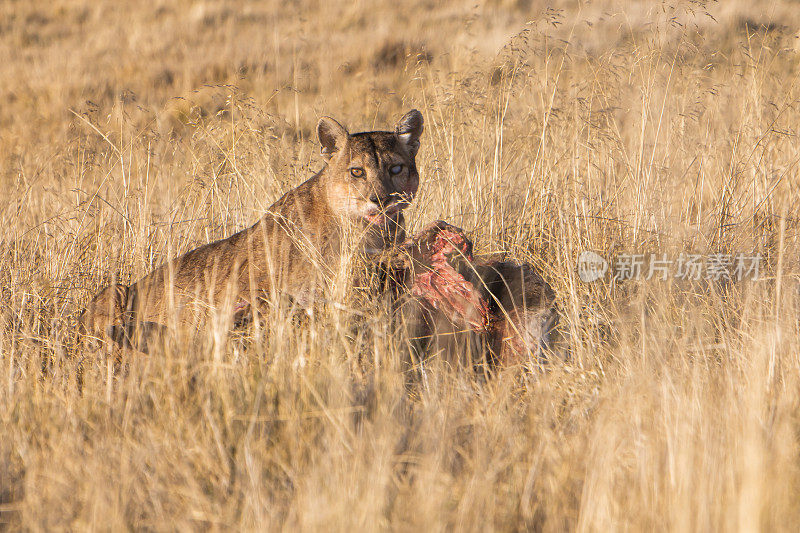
<point>129,134</point>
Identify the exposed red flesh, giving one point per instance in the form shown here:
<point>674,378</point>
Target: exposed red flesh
<point>438,282</point>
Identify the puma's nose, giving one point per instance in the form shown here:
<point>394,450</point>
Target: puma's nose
<point>380,201</point>
<point>383,201</point>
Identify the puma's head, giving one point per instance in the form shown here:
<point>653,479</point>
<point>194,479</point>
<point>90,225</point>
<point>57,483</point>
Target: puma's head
<point>372,175</point>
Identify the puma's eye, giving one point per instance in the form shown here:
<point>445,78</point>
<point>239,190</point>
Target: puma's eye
<point>395,169</point>
<point>357,172</point>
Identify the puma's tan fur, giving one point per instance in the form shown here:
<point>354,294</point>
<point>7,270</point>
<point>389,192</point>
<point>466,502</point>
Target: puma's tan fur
<point>292,251</point>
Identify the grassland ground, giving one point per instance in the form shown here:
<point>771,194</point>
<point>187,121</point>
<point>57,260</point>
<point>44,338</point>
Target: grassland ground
<point>132,132</point>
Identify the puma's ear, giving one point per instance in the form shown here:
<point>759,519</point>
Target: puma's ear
<point>332,136</point>
<point>409,129</point>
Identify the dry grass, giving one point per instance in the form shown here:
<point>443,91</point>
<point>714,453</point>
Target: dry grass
<point>129,134</point>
